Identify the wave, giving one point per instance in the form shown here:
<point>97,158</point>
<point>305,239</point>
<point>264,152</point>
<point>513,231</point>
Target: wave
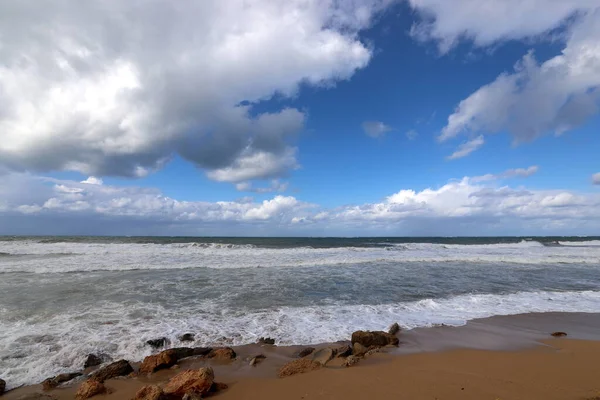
<point>120,330</point>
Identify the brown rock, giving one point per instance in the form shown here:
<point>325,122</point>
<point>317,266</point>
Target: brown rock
<point>118,368</point>
<point>305,352</point>
<point>257,359</point>
<point>559,334</point>
<point>162,360</point>
<point>359,350</point>
<point>150,392</point>
<point>92,360</point>
<point>374,338</point>
<point>351,360</point>
<point>90,388</point>
<point>191,396</point>
<point>267,340</point>
<point>2,386</point>
<point>299,366</point>
<point>222,353</point>
<point>53,382</point>
<point>193,381</point>
<point>395,328</point>
<point>323,356</point>
<point>344,351</point>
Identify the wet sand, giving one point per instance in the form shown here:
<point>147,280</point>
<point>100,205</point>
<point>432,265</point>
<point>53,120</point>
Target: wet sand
<point>498,358</point>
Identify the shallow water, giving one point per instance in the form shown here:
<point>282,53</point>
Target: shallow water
<point>62,298</point>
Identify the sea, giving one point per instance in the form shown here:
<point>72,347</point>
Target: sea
<point>62,298</point>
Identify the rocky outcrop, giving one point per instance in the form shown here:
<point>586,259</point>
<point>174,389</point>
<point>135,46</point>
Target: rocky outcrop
<point>150,392</point>
<point>267,340</point>
<point>306,351</point>
<point>2,386</point>
<point>187,337</point>
<point>162,360</point>
<point>222,353</point>
<point>359,350</point>
<point>351,360</point>
<point>298,366</point>
<point>344,351</point>
<point>89,388</point>
<point>53,382</point>
<point>92,360</point>
<point>394,328</point>
<point>559,334</point>
<point>118,368</point>
<point>157,343</point>
<point>193,381</point>
<point>374,338</point>
<point>323,356</point>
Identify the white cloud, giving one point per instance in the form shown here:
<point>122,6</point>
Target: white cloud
<point>467,148</point>
<point>596,179</point>
<point>92,180</point>
<point>275,186</point>
<point>86,87</point>
<point>555,96</point>
<point>412,134</point>
<point>510,173</point>
<point>375,128</point>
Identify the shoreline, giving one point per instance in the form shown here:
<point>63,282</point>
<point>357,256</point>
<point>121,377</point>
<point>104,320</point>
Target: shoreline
<point>520,337</point>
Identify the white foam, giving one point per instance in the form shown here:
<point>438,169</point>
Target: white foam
<point>589,243</point>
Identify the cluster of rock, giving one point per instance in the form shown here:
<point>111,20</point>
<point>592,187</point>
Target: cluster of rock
<point>191,384</point>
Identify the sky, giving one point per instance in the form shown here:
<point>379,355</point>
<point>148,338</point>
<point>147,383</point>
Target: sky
<point>300,117</point>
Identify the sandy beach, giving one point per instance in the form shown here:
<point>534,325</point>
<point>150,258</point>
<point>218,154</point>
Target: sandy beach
<point>522,361</point>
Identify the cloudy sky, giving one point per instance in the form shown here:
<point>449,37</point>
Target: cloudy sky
<point>300,117</point>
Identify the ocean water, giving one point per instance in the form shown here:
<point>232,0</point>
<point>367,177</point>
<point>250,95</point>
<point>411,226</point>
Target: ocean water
<point>62,298</point>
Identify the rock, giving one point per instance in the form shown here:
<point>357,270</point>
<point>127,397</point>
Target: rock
<point>257,359</point>
<point>191,396</point>
<point>162,360</point>
<point>559,334</point>
<point>92,360</point>
<point>344,351</point>
<point>372,351</point>
<point>2,386</point>
<point>150,392</point>
<point>90,388</point>
<point>395,328</point>
<point>374,338</point>
<point>218,386</point>
<point>222,353</point>
<point>156,343</point>
<point>192,381</point>
<point>267,340</point>
<point>359,350</point>
<point>187,337</point>
<point>118,368</point>
<point>298,366</point>
<point>351,360</point>
<point>53,382</point>
<point>305,352</point>
<point>36,396</point>
<point>323,356</point>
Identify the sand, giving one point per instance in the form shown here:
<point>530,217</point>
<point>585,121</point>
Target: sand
<point>548,369</point>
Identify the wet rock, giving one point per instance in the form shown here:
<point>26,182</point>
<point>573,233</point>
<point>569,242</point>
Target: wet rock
<point>323,356</point>
<point>92,360</point>
<point>36,396</point>
<point>192,381</point>
<point>395,328</point>
<point>164,359</point>
<point>150,392</point>
<point>372,351</point>
<point>351,360</point>
<point>298,366</point>
<point>187,337</point>
<point>305,352</point>
<point>344,351</point>
<point>118,368</point>
<point>559,334</point>
<point>2,386</point>
<point>222,353</point>
<point>267,340</point>
<point>157,343</point>
<point>90,388</point>
<point>374,338</point>
<point>191,396</point>
<point>53,382</point>
<point>257,359</point>
<point>359,350</point>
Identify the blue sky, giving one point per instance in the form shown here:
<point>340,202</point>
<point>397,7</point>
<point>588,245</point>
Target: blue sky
<point>370,117</point>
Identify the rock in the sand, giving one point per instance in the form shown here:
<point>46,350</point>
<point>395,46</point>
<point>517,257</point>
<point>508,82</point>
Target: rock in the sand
<point>187,337</point>
<point>257,359</point>
<point>53,382</point>
<point>372,351</point>
<point>196,381</point>
<point>344,351</point>
<point>90,388</point>
<point>118,368</point>
<point>92,360</point>
<point>2,386</point>
<point>218,386</point>
<point>559,334</point>
<point>351,360</point>
<point>222,353</point>
<point>323,356</point>
<point>298,366</point>
<point>150,392</point>
<point>267,340</point>
<point>359,350</point>
<point>306,351</point>
<point>395,328</point>
<point>374,338</point>
<point>162,360</point>
<point>36,396</point>
<point>157,343</point>
<point>191,396</point>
